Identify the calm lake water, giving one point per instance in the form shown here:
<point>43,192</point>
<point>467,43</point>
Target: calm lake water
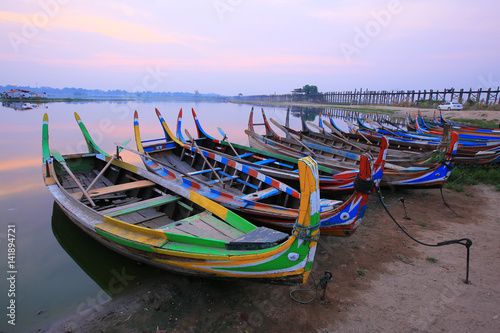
<point>60,270</point>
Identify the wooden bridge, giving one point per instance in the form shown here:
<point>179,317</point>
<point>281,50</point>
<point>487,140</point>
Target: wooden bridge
<point>487,97</point>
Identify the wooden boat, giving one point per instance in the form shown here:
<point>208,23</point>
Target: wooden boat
<point>140,215</point>
<point>473,140</point>
<point>330,138</point>
<point>396,159</point>
<point>467,152</point>
<point>368,137</point>
<point>477,132</point>
<point>327,156</point>
<point>284,167</point>
<point>258,198</point>
<point>413,177</point>
<point>465,155</point>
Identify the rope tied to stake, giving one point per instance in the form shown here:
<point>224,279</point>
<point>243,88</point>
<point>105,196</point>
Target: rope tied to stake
<point>463,241</point>
<point>323,283</point>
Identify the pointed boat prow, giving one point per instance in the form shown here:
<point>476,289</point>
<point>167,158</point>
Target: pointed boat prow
<point>91,145</point>
<point>306,229</point>
<point>45,138</point>
<point>178,131</point>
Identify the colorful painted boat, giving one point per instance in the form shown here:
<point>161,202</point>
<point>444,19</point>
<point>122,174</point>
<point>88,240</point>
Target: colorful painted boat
<point>337,139</point>
<point>140,215</point>
<point>330,157</point>
<point>434,175</point>
<point>259,198</point>
<point>326,144</point>
<point>468,152</point>
<point>284,167</point>
<point>474,140</point>
<point>470,131</point>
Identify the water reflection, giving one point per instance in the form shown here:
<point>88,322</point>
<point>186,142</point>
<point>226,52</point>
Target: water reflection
<point>23,106</point>
<point>310,114</point>
<point>112,272</point>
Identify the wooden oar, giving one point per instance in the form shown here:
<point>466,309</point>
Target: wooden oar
<point>102,172</point>
<point>340,137</point>
<point>358,132</point>
<point>287,121</point>
<point>291,136</point>
<point>225,138</point>
<point>274,143</point>
<point>115,156</point>
<point>321,130</point>
<point>163,163</point>
<point>333,129</point>
<point>62,161</point>
<point>383,127</point>
<point>204,158</point>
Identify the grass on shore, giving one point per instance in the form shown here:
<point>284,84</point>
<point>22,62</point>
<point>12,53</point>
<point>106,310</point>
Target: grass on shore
<point>473,174</point>
<point>478,122</point>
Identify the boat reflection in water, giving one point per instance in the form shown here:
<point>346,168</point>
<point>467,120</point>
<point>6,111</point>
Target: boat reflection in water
<point>23,106</point>
<point>112,272</point>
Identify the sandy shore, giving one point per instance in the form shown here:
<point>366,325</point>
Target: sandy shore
<point>382,281</point>
<point>403,111</point>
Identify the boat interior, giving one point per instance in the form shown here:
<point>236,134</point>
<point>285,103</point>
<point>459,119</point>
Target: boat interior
<point>130,198</point>
<point>228,179</point>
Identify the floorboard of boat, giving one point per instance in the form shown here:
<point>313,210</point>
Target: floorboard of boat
<point>206,226</point>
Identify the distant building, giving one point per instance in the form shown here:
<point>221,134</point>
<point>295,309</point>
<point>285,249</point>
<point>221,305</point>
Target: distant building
<point>19,93</point>
<point>298,91</point>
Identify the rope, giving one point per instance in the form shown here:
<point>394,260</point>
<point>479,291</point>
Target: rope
<point>300,232</point>
<point>389,205</point>
<point>323,283</point>
<point>445,203</point>
<point>463,241</point>
<point>363,186</point>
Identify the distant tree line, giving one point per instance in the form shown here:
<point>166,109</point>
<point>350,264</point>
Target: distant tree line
<point>89,93</point>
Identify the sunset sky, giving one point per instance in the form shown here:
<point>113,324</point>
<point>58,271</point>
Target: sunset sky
<point>250,46</point>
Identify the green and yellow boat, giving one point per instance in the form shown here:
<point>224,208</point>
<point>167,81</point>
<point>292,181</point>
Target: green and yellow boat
<point>139,215</point>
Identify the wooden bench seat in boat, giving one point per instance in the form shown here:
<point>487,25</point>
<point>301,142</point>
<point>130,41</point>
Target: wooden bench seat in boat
<point>257,239</point>
<point>267,161</point>
<point>414,169</point>
<point>224,179</point>
<point>194,173</point>
<point>114,188</point>
<point>134,207</point>
<point>328,204</point>
<point>239,180</point>
<point>204,225</point>
<point>268,192</point>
